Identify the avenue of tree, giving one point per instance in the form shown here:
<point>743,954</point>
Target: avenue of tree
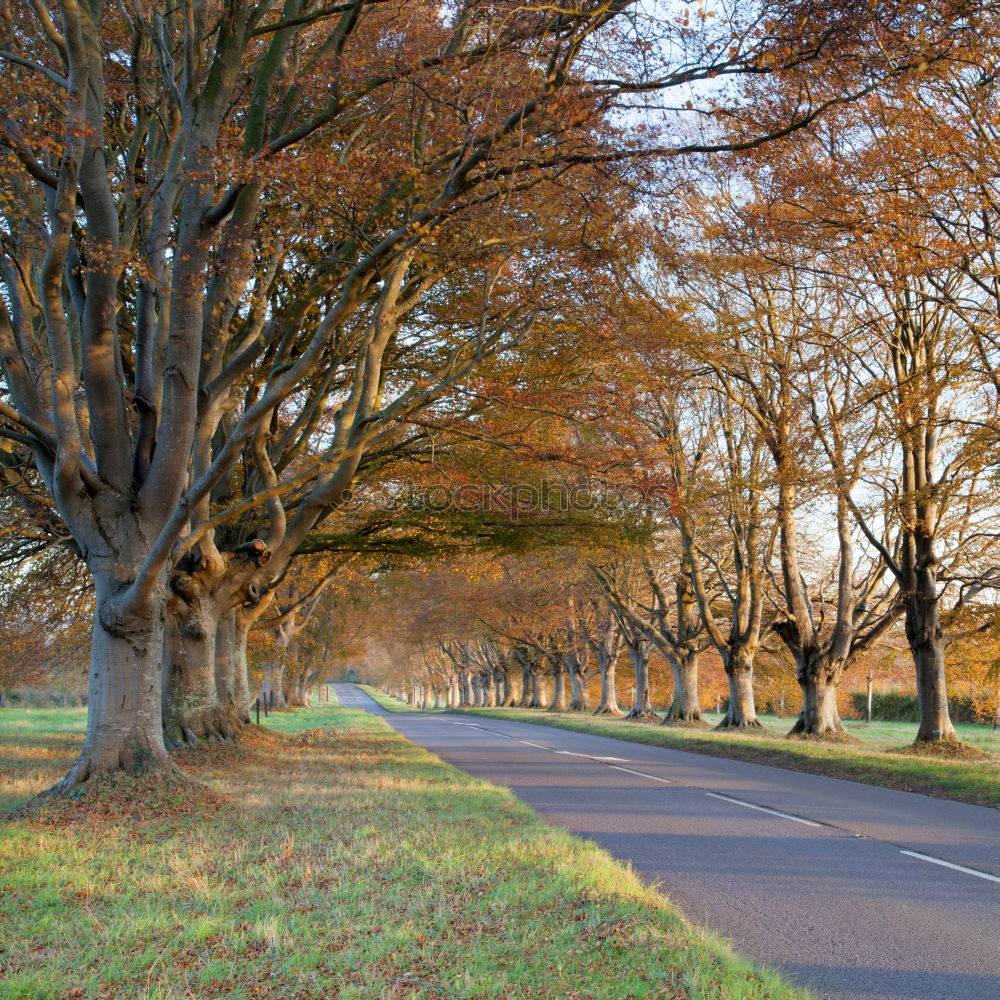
<point>273,273</point>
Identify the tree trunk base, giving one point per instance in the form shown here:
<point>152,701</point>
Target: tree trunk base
<point>613,710</point>
<point>737,725</point>
<point>639,715</point>
<point>935,736</point>
<point>133,758</point>
<point>833,732</point>
<point>216,725</point>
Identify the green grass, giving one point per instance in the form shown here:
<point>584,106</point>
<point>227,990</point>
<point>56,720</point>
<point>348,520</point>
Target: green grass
<point>36,743</point>
<point>343,862</point>
<point>876,758</point>
<point>297,719</point>
<point>387,702</point>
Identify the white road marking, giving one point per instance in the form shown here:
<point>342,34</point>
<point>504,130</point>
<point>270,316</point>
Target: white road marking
<point>948,864</point>
<point>773,812</point>
<point>470,725</point>
<point>536,745</point>
<point>652,777</point>
<point>590,756</point>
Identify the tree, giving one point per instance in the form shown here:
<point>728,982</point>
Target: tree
<point>920,358</point>
<point>779,355</point>
<point>619,582</point>
<point>185,159</point>
<point>604,637</point>
<point>217,218</point>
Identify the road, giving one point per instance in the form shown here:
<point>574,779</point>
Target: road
<point>861,893</point>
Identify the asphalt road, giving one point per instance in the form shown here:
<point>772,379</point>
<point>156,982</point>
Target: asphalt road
<point>861,893</point>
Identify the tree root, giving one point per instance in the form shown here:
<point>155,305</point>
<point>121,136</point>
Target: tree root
<point>728,725</point>
<point>642,716</point>
<point>135,760</point>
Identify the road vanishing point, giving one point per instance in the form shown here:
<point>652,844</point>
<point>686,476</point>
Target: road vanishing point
<point>858,892</point>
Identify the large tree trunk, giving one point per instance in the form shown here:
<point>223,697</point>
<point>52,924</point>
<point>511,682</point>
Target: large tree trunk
<point>558,703</point>
<point>228,665</point>
<point>742,712</point>
<point>926,641</point>
<point>609,697</point>
<point>642,707</point>
<point>537,691</point>
<point>192,711</point>
<point>204,588</point>
<point>530,697</point>
<point>526,687</point>
<point>932,693</point>
<point>298,696</point>
<point>686,705</point>
<point>242,699</point>
<point>273,686</point>
<point>574,689</point>
<point>512,686</point>
<point>580,700</point>
<point>124,718</point>
<point>484,691</point>
<point>818,677</point>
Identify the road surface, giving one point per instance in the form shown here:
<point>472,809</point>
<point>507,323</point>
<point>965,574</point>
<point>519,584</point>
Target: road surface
<point>861,893</point>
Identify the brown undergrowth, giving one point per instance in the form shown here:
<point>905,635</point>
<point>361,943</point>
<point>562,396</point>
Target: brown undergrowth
<point>946,750</point>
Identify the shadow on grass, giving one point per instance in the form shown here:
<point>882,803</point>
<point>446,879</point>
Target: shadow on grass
<point>347,862</point>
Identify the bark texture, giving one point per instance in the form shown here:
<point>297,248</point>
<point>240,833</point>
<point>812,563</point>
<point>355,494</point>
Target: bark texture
<point>124,724</point>
<point>742,710</point>
<point>686,704</point>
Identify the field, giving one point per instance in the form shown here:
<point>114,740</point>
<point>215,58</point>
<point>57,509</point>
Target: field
<point>879,754</point>
<point>328,857</point>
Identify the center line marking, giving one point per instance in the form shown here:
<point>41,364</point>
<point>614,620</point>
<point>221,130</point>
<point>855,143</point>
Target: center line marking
<point>652,777</point>
<point>537,745</point>
<point>948,864</point>
<point>588,756</point>
<point>773,812</point>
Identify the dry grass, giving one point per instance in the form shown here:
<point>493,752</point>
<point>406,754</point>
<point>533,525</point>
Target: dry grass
<point>341,862</point>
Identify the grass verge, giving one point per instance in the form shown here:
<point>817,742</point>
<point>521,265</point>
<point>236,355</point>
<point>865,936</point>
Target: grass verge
<point>342,862</point>
<point>880,756</point>
<point>386,701</point>
<point>976,782</point>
